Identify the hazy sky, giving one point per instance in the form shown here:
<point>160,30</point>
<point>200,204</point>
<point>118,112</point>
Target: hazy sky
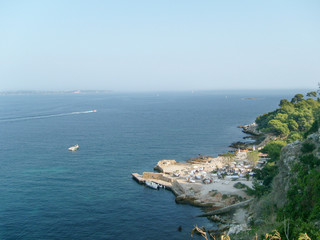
<point>159,45</point>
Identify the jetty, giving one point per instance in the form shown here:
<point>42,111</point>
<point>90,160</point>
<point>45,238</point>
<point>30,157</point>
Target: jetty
<point>154,177</point>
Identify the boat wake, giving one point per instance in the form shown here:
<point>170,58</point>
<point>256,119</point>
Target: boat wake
<point>45,116</point>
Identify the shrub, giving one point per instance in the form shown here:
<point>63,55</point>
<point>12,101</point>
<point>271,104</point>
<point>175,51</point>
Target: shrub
<point>273,149</point>
<point>307,147</point>
<point>239,185</point>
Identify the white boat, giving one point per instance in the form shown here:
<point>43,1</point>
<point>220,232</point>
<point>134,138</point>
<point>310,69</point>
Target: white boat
<point>74,148</point>
<point>152,184</point>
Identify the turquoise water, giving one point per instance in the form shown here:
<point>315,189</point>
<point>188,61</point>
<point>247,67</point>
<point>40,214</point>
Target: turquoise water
<point>48,192</point>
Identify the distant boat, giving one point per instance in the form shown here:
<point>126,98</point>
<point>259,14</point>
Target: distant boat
<point>152,185</point>
<point>94,110</point>
<point>74,148</point>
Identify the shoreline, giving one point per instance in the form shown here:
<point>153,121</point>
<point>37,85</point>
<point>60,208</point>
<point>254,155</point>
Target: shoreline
<point>216,184</point>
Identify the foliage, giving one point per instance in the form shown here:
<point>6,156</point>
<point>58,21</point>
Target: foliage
<point>302,206</point>
<point>297,98</point>
<point>261,184</point>
<point>314,128</point>
<point>297,227</point>
<point>273,149</point>
<point>258,189</point>
<point>293,120</point>
<point>297,115</point>
<point>275,235</point>
<point>278,127</point>
<point>239,185</point>
<point>253,157</point>
<point>263,177</point>
<point>294,136</point>
<point>307,147</point>
<point>312,94</point>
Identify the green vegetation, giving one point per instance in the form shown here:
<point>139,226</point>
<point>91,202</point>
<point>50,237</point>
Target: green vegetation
<point>239,185</point>
<point>275,235</point>
<point>253,157</point>
<point>293,120</point>
<point>308,147</point>
<point>303,197</point>
<point>297,211</point>
<point>273,149</point>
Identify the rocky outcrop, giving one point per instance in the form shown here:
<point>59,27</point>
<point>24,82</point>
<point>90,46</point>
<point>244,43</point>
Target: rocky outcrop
<point>281,182</point>
<point>226,209</point>
<point>164,163</point>
<point>251,129</point>
<point>290,155</point>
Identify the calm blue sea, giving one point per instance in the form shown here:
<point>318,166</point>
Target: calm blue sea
<point>47,192</point>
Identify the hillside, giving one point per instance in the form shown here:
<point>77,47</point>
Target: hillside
<point>287,189</point>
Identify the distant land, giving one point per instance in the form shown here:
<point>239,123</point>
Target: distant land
<point>31,92</point>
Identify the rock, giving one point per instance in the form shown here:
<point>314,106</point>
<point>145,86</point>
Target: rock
<point>251,129</point>
<point>216,218</point>
<point>163,163</point>
<point>235,229</point>
<point>177,189</point>
<point>239,145</point>
<point>224,228</point>
<point>185,199</point>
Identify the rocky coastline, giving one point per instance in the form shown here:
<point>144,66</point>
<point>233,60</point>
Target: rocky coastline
<point>216,184</point>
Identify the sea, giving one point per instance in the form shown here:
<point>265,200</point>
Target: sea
<point>48,192</point>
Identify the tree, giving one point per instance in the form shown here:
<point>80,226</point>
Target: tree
<point>297,98</point>
<point>273,149</point>
<point>293,125</point>
<point>278,127</point>
<point>312,94</point>
<point>253,157</point>
<point>284,102</point>
<point>282,117</point>
<point>294,136</point>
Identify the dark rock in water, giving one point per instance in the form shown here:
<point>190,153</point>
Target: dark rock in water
<point>240,145</point>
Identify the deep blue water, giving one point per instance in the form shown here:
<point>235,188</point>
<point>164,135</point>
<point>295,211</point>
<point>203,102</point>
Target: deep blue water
<point>47,192</point>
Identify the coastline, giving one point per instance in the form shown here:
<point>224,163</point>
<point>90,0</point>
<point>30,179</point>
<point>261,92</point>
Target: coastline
<point>211,183</point>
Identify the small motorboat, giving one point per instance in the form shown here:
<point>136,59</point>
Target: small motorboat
<point>152,185</point>
<point>94,110</point>
<point>74,148</point>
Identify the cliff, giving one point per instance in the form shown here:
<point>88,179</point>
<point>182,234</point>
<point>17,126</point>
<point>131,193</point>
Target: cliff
<point>290,156</point>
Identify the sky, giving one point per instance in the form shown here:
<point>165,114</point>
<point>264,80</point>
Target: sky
<point>167,45</point>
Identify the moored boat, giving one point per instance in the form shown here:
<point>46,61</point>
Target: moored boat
<point>152,185</point>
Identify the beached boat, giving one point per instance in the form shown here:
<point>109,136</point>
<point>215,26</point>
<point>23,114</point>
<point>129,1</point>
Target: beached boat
<point>152,185</point>
<point>74,148</point>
